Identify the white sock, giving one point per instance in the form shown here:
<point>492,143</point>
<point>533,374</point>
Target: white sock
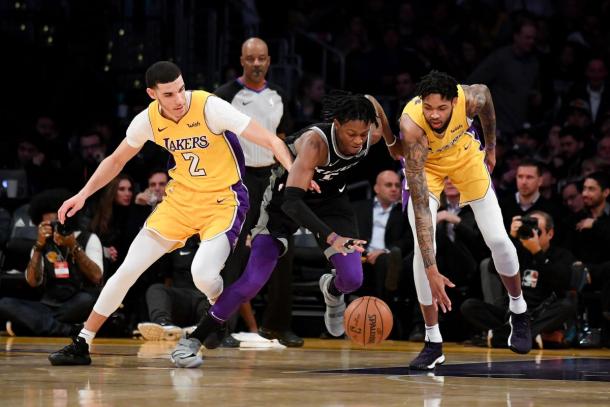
<point>517,305</point>
<point>433,334</point>
<point>87,335</point>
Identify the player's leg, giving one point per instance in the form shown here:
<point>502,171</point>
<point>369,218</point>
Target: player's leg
<point>489,220</point>
<point>145,249</point>
<point>347,278</point>
<point>432,354</point>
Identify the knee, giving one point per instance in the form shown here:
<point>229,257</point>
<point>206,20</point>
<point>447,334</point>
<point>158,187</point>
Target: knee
<point>206,282</point>
<point>349,281</point>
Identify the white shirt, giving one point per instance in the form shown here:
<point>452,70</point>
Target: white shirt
<point>220,116</point>
<point>380,220</point>
<point>266,107</point>
<point>525,206</point>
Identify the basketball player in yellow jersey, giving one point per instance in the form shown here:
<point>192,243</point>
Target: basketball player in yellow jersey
<point>206,195</point>
<point>438,142</point>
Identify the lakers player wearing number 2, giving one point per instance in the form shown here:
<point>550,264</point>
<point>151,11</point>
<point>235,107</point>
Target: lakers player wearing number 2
<point>439,142</point>
<point>205,196</point>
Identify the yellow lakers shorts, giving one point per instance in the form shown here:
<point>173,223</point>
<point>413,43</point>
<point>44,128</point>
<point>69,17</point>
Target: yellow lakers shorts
<point>185,212</point>
<point>464,164</point>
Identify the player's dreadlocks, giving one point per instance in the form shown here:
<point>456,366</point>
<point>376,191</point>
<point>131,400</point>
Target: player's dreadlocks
<point>437,82</point>
<point>345,106</point>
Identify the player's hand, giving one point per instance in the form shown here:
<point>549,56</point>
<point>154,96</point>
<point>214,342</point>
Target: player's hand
<point>490,159</point>
<point>514,226</point>
<point>313,186</point>
<point>70,207</point>
<point>345,245</point>
<point>437,283</point>
<point>585,224</point>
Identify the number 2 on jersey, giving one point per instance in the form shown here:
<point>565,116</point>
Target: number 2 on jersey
<point>194,159</point>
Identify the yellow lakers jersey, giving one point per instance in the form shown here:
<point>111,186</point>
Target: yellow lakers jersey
<point>456,155</point>
<point>204,161</point>
<point>458,124</point>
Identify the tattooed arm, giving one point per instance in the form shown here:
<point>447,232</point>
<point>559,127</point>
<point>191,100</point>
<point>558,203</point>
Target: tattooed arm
<point>415,146</point>
<point>479,102</point>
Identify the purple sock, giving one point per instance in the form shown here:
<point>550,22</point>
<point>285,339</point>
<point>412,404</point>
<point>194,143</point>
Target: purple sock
<point>349,271</point>
<point>263,258</point>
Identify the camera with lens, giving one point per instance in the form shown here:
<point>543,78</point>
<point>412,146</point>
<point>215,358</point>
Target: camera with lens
<point>63,230</point>
<point>528,225</point>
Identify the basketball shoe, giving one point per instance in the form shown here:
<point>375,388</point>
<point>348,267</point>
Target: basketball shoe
<point>429,357</point>
<point>186,353</point>
<point>152,331</point>
<point>520,338</point>
<point>76,353</point>
<point>335,308</point>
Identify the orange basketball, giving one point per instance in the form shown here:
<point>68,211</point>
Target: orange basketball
<point>368,321</point>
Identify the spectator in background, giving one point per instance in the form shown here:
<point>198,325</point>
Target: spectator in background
<point>593,89</point>
<point>591,238</point>
<point>603,150</point>
<point>91,151</point>
<point>67,265</point>
<point>571,152</point>
<point>146,201</point>
<point>111,219</point>
<point>307,106</point>
<point>528,197</point>
<point>382,224</point>
<point>546,272</point>
<point>512,74</point>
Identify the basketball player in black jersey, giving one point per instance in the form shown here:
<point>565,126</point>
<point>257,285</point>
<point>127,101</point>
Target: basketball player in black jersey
<point>323,153</point>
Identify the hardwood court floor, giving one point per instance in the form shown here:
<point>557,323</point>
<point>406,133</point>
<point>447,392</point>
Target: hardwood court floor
<point>330,373</point>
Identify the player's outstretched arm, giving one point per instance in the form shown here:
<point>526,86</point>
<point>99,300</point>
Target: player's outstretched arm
<point>479,102</point>
<point>256,133</point>
<point>382,129</point>
<point>415,145</point>
<point>109,168</point>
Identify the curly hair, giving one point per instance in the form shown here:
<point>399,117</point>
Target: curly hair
<point>345,106</point>
<point>48,201</point>
<point>439,83</point>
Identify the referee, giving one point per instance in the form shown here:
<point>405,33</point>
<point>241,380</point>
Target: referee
<point>265,102</point>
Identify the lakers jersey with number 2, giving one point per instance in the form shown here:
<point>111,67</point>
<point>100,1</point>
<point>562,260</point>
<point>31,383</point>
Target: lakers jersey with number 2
<point>456,154</point>
<point>205,195</point>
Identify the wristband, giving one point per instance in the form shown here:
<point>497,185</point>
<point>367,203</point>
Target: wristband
<point>333,239</point>
<point>392,143</point>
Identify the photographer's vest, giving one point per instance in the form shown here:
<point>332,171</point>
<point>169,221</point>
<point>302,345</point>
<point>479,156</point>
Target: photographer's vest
<point>59,290</point>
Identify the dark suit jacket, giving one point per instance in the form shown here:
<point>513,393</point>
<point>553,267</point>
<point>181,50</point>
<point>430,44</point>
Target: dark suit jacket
<point>397,232</point>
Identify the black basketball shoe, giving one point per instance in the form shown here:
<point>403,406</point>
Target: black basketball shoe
<point>76,353</point>
<point>429,357</point>
<point>520,338</point>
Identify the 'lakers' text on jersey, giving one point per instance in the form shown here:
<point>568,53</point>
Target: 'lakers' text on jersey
<point>203,160</point>
<point>456,154</point>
